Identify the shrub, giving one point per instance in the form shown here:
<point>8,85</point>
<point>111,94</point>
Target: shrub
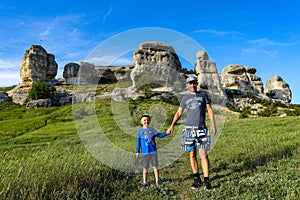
<point>41,90</point>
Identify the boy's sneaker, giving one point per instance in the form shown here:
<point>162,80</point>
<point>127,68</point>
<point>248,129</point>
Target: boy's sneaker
<point>207,185</point>
<point>144,186</point>
<point>196,184</point>
<point>158,183</point>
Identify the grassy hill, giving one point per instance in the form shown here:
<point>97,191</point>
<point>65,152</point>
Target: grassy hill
<point>44,157</point>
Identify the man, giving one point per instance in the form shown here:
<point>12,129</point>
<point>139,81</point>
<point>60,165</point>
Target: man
<point>195,133</point>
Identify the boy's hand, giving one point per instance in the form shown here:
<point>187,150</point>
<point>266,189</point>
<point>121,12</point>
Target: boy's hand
<point>170,130</point>
<point>137,155</point>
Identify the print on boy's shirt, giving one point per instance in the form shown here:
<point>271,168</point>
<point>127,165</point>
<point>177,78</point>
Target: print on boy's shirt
<point>148,135</point>
<point>194,103</point>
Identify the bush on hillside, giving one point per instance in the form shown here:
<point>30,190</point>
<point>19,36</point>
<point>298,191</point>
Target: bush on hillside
<point>41,90</point>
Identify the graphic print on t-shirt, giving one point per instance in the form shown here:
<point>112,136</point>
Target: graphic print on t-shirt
<point>194,103</point>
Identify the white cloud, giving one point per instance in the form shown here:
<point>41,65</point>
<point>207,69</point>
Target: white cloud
<point>267,42</point>
<point>9,79</point>
<point>106,15</point>
<point>252,51</point>
<point>216,32</point>
<point>9,65</point>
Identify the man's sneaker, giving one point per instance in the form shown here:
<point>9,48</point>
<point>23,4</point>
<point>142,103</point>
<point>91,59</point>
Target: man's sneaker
<point>144,186</point>
<point>196,184</point>
<point>207,185</point>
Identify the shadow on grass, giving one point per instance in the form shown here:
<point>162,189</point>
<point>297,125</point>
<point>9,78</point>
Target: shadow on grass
<point>245,162</point>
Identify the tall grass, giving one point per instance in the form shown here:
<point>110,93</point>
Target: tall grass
<point>256,158</point>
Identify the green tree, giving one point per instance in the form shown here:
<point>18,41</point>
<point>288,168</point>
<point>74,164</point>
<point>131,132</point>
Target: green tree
<point>41,90</point>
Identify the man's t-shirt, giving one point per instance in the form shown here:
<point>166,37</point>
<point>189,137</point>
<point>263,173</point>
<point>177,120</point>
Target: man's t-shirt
<point>195,105</point>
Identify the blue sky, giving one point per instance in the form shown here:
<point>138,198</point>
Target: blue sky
<point>262,34</point>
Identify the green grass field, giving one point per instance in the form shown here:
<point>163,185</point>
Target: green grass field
<point>44,157</point>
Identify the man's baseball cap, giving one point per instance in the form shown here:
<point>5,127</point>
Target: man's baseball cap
<point>191,79</point>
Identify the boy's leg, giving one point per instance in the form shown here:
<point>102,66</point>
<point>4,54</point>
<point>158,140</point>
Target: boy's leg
<point>156,173</point>
<point>145,175</point>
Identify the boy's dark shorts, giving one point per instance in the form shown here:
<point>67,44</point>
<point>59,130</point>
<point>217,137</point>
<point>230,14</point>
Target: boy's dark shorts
<point>193,137</point>
<point>149,159</point>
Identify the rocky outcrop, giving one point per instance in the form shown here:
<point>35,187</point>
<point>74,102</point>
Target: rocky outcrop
<point>242,78</point>
<point>4,97</point>
<point>155,74</point>
<point>84,71</point>
<point>155,63</point>
<point>19,95</point>
<point>70,73</point>
<point>278,89</point>
<point>39,103</point>
<point>207,73</point>
<point>113,74</point>
<point>37,65</point>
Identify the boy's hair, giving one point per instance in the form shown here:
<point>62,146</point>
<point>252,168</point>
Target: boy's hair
<point>146,115</point>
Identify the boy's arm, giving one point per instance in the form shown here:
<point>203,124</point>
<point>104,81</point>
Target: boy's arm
<point>138,143</point>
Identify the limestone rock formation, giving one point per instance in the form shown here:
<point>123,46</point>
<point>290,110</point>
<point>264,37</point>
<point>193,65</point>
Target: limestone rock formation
<point>37,65</point>
<point>155,63</point>
<point>106,75</point>
<point>207,73</point>
<point>277,89</point>
<point>4,97</point>
<point>71,72</point>
<point>242,78</point>
<point>83,73</point>
<point>39,103</point>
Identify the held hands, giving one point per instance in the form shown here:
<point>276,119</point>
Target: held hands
<point>170,130</point>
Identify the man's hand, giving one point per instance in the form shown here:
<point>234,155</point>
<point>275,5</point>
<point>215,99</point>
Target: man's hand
<point>213,129</point>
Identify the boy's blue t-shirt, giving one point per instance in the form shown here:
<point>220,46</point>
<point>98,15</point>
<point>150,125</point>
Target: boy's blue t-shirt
<point>145,140</point>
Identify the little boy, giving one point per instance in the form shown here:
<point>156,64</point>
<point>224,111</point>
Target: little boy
<point>145,141</point>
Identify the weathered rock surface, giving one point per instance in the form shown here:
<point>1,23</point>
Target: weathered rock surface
<point>39,103</point>
<point>155,63</point>
<point>207,73</point>
<point>242,78</point>
<point>37,65</point>
<point>4,97</point>
<point>278,89</point>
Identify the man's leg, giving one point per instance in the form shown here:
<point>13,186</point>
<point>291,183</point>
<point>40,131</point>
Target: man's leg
<point>194,165</point>
<point>204,162</point>
<point>194,162</point>
<point>205,168</point>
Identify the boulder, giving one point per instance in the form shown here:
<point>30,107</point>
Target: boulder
<point>4,97</point>
<point>39,103</point>
<point>37,65</point>
<point>277,89</point>
<point>155,64</point>
<point>242,78</point>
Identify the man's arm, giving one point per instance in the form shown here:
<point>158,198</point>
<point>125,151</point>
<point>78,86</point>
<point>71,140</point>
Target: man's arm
<point>211,115</point>
<point>175,119</point>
